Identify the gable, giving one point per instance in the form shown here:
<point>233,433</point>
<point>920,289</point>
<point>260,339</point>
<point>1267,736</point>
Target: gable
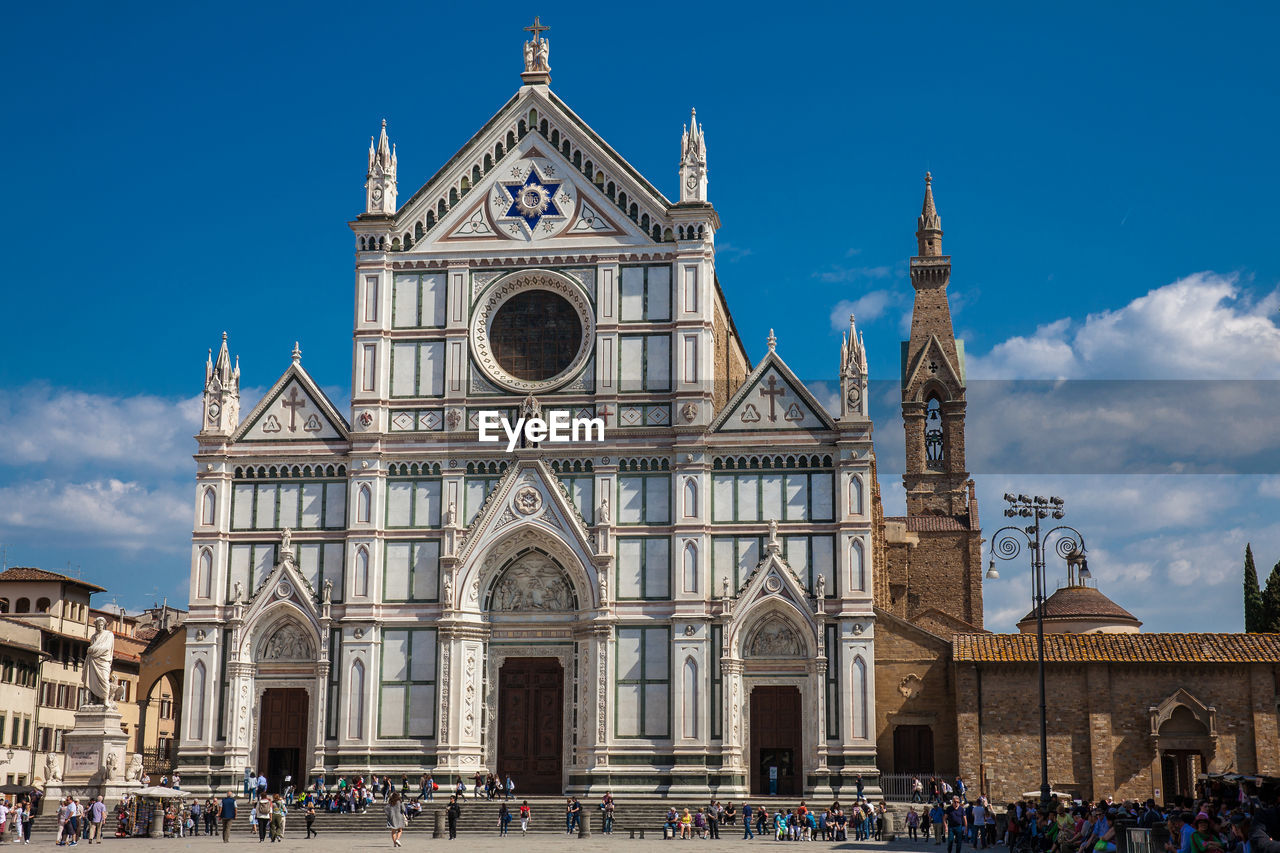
<point>772,399</point>
<point>931,364</point>
<point>293,410</point>
<point>611,194</point>
<point>533,194</point>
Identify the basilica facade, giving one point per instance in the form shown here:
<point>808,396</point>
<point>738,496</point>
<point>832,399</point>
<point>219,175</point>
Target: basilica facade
<point>684,603</point>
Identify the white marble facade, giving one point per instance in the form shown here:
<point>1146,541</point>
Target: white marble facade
<point>389,568</point>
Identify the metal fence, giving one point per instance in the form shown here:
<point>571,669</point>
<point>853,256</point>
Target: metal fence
<point>896,787</point>
<point>157,762</point>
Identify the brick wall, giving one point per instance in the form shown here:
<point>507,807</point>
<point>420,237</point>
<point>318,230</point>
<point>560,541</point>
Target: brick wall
<point>1099,723</point>
<point>903,650</point>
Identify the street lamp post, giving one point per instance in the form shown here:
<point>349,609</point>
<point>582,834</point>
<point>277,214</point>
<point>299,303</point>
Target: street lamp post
<point>1006,543</point>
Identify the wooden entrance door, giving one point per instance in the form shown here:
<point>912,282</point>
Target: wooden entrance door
<point>775,740</point>
<point>530,724</point>
<point>913,749</point>
<point>282,737</point>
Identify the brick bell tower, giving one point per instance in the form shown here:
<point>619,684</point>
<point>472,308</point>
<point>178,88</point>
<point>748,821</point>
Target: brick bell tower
<point>933,400</point>
<point>932,557</point>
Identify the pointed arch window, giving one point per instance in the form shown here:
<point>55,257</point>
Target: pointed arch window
<point>208,507</point>
<point>859,698</point>
<point>362,571</point>
<point>355,711</point>
<point>204,574</point>
<point>855,495</point>
<point>195,717</point>
<point>690,567</point>
<point>934,433</point>
<point>857,566</point>
<point>364,505</point>
<point>690,712</point>
<point>690,498</point>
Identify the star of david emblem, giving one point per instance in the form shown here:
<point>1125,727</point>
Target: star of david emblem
<point>533,199</point>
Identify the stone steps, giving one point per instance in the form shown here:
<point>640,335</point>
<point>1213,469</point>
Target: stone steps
<point>480,817</point>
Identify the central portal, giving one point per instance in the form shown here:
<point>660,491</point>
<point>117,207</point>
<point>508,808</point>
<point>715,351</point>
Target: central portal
<point>282,737</point>
<point>530,724</point>
<point>775,741</point>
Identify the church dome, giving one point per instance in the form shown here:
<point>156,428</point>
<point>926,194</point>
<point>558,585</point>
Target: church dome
<point>1079,609</point>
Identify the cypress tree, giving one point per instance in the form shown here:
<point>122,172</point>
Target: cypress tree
<point>1271,603</point>
<point>1253,610</point>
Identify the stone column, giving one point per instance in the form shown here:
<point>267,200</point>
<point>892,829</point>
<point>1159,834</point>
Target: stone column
<point>596,738</point>
<point>238,712</point>
<point>731,731</point>
<point>319,717</point>
<point>820,677</point>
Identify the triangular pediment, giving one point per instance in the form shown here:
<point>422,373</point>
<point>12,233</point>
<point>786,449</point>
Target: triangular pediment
<point>471,199</point>
<point>284,584</point>
<point>529,493</point>
<point>295,409</point>
<point>772,399</point>
<point>932,364</point>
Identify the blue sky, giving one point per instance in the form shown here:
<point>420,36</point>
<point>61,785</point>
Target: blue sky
<point>1105,177</point>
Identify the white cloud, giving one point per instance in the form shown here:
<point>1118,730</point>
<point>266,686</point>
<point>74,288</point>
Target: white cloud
<point>113,513</point>
<point>40,425</point>
<point>867,308</point>
<point>858,273</point>
<point>1199,327</point>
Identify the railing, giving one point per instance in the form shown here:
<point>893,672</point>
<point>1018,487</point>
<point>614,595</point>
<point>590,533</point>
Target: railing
<point>896,787</point>
<point>157,762</point>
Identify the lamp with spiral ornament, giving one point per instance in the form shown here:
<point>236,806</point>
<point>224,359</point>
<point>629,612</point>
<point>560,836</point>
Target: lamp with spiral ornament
<point>1068,543</point>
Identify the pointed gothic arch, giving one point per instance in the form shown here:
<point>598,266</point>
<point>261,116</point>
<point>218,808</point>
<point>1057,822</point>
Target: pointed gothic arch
<point>362,571</point>
<point>859,699</point>
<point>690,497</point>
<point>364,505</point>
<point>355,699</point>
<point>689,727</point>
<point>857,566</point>
<point>204,573</point>
<point>689,565</point>
<point>208,507</point>
<point>1205,715</point>
<point>195,702</point>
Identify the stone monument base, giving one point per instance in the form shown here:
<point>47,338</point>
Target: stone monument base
<point>94,754</point>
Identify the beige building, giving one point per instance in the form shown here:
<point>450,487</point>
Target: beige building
<point>20,655</point>
<point>58,606</point>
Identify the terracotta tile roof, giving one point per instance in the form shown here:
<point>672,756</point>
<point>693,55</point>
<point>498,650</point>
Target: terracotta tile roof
<point>1081,602</point>
<point>26,573</point>
<point>1119,648</point>
<point>929,523</point>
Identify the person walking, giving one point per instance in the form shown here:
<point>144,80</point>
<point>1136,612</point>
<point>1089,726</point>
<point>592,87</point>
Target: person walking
<point>277,819</point>
<point>957,823</point>
<point>311,818</point>
<point>606,806</point>
<point>451,816</point>
<point>525,814</point>
<point>210,812</point>
<point>227,813</point>
<point>746,822</point>
<point>262,817</point>
<point>504,819</point>
<point>510,787</point>
<point>395,818</point>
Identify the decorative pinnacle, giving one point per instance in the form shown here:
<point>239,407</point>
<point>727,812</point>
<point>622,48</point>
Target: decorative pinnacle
<point>297,353</point>
<point>773,341</point>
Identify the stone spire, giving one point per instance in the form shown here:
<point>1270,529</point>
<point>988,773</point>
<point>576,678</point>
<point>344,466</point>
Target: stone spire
<point>380,180</point>
<point>929,230</point>
<point>693,161</point>
<point>221,392</point>
<point>853,372</point>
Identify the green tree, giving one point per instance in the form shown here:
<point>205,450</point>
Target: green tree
<point>1271,603</point>
<point>1254,612</point>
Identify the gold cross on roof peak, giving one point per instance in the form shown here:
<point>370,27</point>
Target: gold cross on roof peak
<point>537,28</point>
